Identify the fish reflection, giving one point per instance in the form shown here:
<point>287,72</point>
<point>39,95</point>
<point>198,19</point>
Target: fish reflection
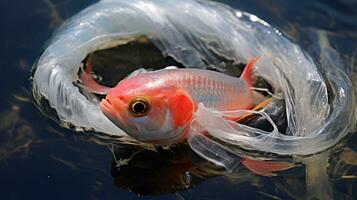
<point>151,173</point>
<point>163,171</point>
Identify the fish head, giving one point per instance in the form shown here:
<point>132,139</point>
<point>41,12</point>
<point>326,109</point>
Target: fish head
<point>149,112</point>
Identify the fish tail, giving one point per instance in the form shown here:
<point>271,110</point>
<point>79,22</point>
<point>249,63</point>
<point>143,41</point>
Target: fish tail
<point>88,81</point>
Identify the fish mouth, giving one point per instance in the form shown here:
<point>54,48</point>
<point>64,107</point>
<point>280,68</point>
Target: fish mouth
<point>110,111</point>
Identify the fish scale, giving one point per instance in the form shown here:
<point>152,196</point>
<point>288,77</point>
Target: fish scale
<point>213,89</point>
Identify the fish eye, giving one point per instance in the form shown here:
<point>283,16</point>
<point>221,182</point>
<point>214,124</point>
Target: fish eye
<point>139,107</point>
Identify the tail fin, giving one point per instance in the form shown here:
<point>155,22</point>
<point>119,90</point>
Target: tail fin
<point>247,73</point>
<point>88,81</point>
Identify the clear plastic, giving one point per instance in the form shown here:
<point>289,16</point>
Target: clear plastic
<point>320,99</point>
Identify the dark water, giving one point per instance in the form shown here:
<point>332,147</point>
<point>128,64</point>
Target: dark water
<point>39,159</point>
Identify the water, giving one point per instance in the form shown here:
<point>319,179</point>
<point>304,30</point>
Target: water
<point>39,159</point>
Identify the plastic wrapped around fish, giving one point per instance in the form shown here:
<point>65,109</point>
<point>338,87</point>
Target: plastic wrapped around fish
<point>319,99</point>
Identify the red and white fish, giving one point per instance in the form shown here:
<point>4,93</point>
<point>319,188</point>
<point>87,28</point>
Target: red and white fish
<point>158,106</point>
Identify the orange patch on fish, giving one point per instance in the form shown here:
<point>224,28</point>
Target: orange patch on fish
<point>182,108</point>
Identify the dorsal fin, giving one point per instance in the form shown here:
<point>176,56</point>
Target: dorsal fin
<point>247,73</point>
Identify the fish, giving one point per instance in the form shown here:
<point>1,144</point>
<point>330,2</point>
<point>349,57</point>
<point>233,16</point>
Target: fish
<point>158,106</point>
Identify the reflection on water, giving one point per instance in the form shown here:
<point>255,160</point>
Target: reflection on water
<point>147,172</point>
<point>17,133</point>
<point>40,159</point>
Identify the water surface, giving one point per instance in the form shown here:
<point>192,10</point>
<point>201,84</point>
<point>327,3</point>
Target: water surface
<point>39,159</point>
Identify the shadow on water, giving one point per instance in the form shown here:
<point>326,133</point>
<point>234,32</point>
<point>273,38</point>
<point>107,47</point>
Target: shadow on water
<point>40,159</point>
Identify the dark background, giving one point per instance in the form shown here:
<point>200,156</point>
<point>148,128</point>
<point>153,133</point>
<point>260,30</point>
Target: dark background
<point>39,159</point>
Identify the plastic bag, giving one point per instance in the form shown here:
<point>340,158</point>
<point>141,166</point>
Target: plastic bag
<point>319,99</point>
